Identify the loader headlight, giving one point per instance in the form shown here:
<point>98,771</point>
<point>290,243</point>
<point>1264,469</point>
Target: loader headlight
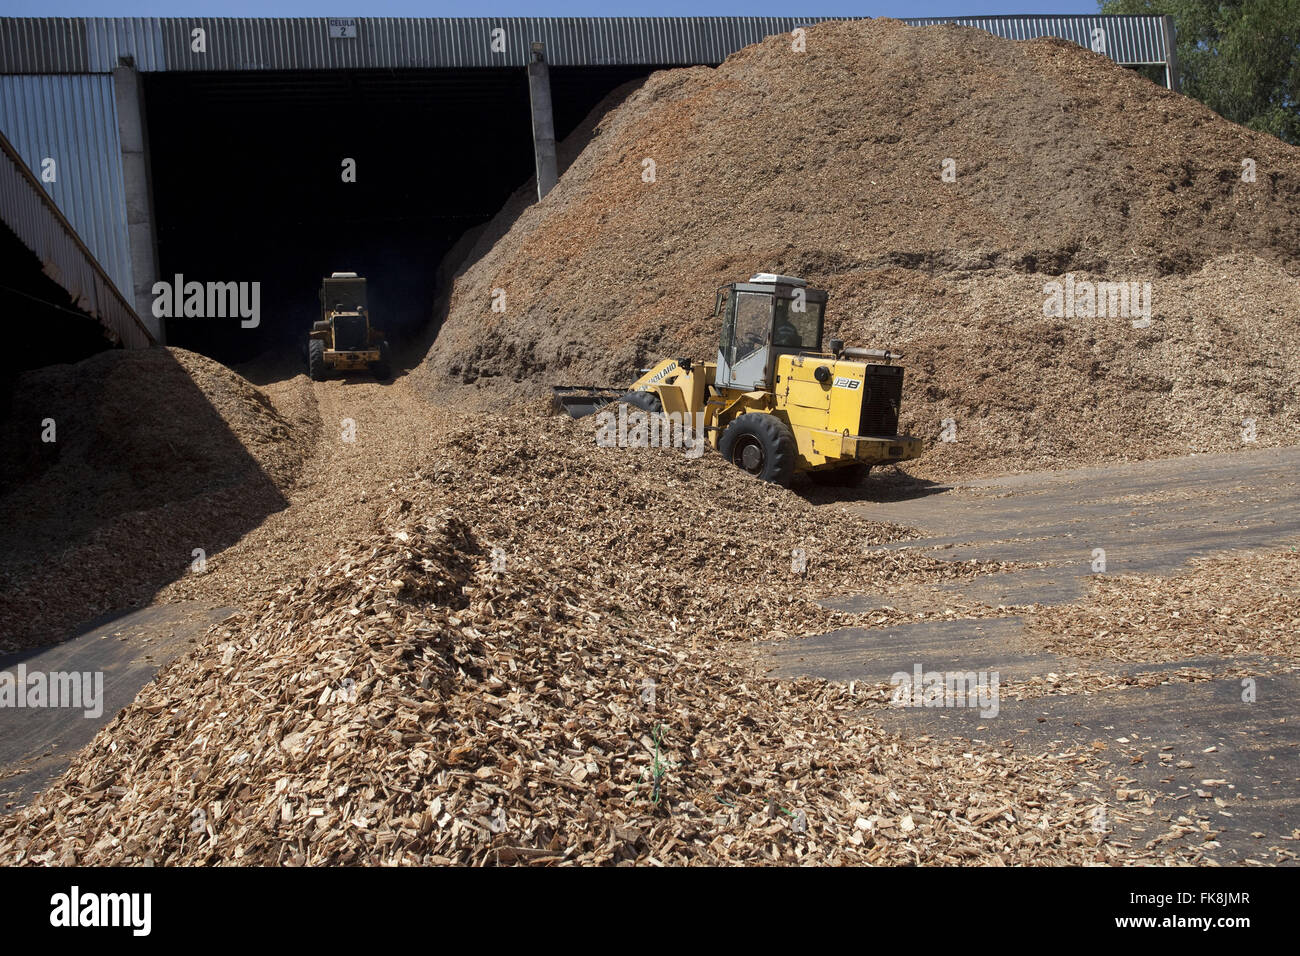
<point>822,374</point>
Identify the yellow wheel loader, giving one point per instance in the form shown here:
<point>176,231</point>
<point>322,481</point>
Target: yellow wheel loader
<point>343,339</point>
<point>775,403</point>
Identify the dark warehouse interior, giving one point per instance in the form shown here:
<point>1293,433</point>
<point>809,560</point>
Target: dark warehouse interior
<point>247,182</point>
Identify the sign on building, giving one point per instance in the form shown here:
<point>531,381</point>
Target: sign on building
<point>342,28</point>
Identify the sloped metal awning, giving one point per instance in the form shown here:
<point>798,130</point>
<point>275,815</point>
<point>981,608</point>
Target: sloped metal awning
<point>32,216</point>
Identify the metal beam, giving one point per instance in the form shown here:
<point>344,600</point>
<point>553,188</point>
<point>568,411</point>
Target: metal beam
<point>133,138</point>
<point>1172,79</point>
<point>539,98</point>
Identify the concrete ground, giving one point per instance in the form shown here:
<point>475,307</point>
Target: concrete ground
<point>1195,749</point>
<point>36,745</point>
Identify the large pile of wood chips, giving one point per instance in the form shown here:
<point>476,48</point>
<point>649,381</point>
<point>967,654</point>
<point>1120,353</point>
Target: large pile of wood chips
<point>830,164</point>
<point>532,658</point>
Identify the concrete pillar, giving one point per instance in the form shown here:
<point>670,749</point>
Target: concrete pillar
<point>1171,54</point>
<point>133,135</point>
<point>539,95</point>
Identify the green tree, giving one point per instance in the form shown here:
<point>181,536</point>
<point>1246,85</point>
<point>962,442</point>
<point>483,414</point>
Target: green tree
<point>1239,57</point>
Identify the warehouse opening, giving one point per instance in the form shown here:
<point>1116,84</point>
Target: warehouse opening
<point>281,178</point>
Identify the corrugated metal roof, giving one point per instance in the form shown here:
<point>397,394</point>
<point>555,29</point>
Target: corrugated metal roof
<point>28,210</point>
<point>1130,40</point>
<point>73,121</point>
<point>54,45</point>
<point>110,39</point>
<point>43,45</point>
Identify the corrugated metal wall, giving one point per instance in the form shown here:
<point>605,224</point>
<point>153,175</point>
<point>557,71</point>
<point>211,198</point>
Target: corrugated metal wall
<point>73,120</point>
<point>43,45</point>
<point>387,42</point>
<point>49,45</point>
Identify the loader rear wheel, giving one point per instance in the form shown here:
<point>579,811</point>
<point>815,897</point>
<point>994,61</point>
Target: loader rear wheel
<point>316,360</point>
<point>762,445</point>
<point>384,367</point>
<point>647,401</point>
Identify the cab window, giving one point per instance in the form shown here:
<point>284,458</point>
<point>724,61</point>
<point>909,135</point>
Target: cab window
<point>753,321</point>
<point>795,329</point>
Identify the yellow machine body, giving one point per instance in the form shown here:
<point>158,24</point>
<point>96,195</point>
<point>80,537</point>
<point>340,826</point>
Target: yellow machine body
<point>343,339</point>
<point>776,402</point>
<point>347,359</point>
<point>824,417</point>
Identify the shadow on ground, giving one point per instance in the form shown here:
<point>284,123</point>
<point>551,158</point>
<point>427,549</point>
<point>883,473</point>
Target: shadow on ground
<point>883,484</point>
<point>142,478</point>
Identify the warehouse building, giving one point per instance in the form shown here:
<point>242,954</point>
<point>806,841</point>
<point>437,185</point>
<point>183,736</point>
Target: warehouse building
<point>277,150</point>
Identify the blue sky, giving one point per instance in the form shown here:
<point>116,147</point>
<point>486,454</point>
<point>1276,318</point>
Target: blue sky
<point>536,8</point>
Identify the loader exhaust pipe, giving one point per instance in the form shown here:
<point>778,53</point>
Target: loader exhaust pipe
<point>882,354</point>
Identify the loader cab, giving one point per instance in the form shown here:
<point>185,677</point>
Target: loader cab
<point>763,319</point>
<point>343,298</point>
<point>343,292</point>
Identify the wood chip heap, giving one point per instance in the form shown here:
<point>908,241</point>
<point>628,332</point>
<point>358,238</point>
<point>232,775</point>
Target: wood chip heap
<point>117,467</point>
<point>830,164</point>
<point>543,671</point>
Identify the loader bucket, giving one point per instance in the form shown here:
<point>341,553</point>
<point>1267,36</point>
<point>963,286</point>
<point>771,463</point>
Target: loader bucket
<point>579,401</point>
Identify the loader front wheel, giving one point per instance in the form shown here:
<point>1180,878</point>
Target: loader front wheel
<point>762,445</point>
<point>316,359</point>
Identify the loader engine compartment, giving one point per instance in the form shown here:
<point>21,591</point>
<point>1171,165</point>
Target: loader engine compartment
<point>880,404</point>
<point>349,332</point>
